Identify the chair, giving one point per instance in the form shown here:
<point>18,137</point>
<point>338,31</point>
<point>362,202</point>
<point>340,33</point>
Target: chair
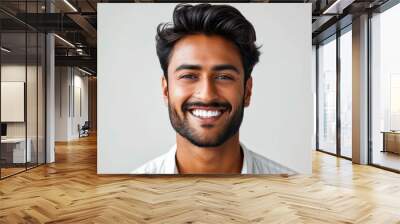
<point>84,130</point>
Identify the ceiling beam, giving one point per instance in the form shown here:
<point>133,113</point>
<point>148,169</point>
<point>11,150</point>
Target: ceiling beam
<point>86,26</point>
<point>337,7</point>
<point>84,61</point>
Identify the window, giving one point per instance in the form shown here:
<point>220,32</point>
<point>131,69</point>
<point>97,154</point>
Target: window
<point>385,88</point>
<point>346,93</point>
<point>327,96</point>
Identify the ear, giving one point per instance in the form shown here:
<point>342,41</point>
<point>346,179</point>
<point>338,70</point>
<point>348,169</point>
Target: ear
<point>248,91</point>
<point>164,87</point>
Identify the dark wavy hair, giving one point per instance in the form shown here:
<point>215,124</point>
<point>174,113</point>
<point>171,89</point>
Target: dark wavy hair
<point>223,20</point>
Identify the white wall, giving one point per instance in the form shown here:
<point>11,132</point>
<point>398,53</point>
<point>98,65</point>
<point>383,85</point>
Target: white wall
<point>68,81</point>
<point>61,103</point>
<point>79,117</point>
<point>133,123</point>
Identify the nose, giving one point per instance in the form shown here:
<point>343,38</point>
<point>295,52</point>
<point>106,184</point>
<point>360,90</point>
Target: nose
<point>206,90</point>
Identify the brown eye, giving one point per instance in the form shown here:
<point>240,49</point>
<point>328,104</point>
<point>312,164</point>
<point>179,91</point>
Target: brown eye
<point>188,76</point>
<point>224,77</point>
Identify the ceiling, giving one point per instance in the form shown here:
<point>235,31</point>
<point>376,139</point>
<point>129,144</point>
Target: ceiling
<point>76,22</point>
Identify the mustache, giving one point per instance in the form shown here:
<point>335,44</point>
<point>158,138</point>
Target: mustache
<point>215,104</point>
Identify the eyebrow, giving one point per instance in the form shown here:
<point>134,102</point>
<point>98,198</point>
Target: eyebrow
<point>188,66</point>
<point>214,68</point>
<point>225,67</point>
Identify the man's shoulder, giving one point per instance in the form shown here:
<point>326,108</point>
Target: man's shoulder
<point>158,165</point>
<point>153,166</point>
<point>263,165</point>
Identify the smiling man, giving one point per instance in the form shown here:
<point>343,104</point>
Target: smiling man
<point>207,56</point>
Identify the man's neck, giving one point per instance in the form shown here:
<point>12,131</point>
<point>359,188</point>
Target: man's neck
<point>226,158</point>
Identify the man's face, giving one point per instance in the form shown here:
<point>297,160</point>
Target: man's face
<point>205,92</point>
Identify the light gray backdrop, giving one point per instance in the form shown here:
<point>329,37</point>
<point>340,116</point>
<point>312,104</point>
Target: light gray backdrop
<point>133,123</point>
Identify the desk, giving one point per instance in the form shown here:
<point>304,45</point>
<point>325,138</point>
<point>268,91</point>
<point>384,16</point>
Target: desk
<point>391,141</point>
<point>13,150</point>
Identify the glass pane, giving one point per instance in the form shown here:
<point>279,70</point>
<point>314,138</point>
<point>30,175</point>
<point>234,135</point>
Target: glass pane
<point>32,95</point>
<point>314,74</point>
<point>327,96</point>
<point>13,88</point>
<point>386,89</point>
<point>41,98</point>
<point>23,89</point>
<point>346,93</point>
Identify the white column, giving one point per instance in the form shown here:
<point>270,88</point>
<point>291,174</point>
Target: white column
<point>50,110</point>
<point>50,92</point>
<point>360,90</point>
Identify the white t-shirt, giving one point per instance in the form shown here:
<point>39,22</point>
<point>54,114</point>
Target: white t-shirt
<point>253,163</point>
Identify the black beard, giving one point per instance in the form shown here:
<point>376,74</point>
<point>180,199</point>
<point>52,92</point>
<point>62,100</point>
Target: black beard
<point>182,126</point>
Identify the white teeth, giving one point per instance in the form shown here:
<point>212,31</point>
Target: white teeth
<point>206,113</point>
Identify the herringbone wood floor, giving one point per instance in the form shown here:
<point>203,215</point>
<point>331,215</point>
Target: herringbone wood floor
<point>70,191</point>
